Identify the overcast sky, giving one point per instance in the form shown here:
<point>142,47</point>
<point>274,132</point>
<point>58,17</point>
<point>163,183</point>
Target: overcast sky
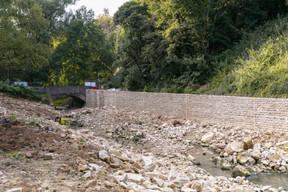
<point>98,5</point>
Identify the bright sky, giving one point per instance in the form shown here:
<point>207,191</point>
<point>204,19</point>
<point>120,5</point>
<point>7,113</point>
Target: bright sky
<point>98,5</point>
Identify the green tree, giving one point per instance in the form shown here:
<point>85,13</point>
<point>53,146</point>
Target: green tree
<point>133,18</point>
<point>82,53</point>
<point>22,55</point>
<point>54,11</point>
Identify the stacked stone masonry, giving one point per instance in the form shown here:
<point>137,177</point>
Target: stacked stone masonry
<point>225,110</point>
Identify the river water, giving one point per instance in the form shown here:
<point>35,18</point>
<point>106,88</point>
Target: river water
<point>272,179</point>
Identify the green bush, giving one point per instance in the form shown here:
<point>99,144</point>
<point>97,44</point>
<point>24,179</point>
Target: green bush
<point>24,92</point>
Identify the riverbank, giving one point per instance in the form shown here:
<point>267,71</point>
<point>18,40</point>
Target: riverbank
<point>108,150</point>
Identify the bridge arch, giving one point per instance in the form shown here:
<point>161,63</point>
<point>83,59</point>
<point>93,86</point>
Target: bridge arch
<point>77,97</point>
<point>78,93</point>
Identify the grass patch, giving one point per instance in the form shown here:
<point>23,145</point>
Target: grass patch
<point>138,122</point>
<point>16,155</point>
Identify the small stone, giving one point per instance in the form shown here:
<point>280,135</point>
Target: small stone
<point>233,147</point>
<point>114,165</point>
<point>108,184</point>
<point>197,185</point>
<point>209,189</point>
<point>275,158</point>
<point>135,178</point>
<point>103,155</point>
<point>283,143</point>
<point>207,137</point>
<point>150,185</point>
<point>48,156</point>
<point>15,190</point>
<point>247,143</point>
<point>239,179</point>
<point>265,188</point>
<point>28,155</point>
<point>82,168</point>
<point>87,175</point>
<point>225,165</point>
<point>241,159</point>
<point>191,158</point>
<point>282,169</point>
<point>186,189</point>
<point>91,183</point>
<point>251,161</point>
<point>167,189</point>
<point>158,181</point>
<point>94,166</point>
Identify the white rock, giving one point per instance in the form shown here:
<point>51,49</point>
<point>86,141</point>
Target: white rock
<point>91,183</point>
<point>209,189</point>
<point>186,189</point>
<point>94,166</point>
<point>87,175</point>
<point>135,178</point>
<point>282,169</point>
<point>158,181</point>
<point>239,179</point>
<point>147,160</point>
<point>121,178</point>
<point>103,155</point>
<point>264,188</point>
<point>197,185</point>
<point>191,158</point>
<point>283,143</point>
<point>135,187</point>
<point>207,137</point>
<point>233,147</point>
<point>15,190</point>
<point>167,189</point>
<point>150,185</point>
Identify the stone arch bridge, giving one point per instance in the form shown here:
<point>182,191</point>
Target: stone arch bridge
<point>77,92</point>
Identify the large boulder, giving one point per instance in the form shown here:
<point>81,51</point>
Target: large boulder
<point>241,171</point>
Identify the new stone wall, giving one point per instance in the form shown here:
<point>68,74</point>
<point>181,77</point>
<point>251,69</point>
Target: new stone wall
<point>225,110</point>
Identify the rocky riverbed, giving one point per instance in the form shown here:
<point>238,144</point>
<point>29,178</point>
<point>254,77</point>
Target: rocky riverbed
<point>120,150</point>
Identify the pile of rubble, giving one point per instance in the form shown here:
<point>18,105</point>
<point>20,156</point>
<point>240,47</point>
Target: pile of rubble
<point>118,150</point>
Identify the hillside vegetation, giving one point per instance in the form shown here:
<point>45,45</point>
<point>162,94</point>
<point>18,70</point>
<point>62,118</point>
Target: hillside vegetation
<point>257,66</point>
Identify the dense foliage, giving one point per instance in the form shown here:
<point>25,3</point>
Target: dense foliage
<point>175,45</point>
<point>24,92</point>
<point>41,41</point>
<point>222,47</point>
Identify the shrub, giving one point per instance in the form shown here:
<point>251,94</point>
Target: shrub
<point>24,92</point>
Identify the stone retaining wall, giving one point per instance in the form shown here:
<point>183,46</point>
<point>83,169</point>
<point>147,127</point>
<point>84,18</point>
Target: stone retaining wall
<point>224,110</point>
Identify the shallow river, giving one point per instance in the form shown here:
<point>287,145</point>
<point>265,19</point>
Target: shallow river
<point>275,180</point>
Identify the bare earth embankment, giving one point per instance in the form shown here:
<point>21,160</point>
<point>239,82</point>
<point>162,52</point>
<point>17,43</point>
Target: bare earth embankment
<point>120,150</point>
